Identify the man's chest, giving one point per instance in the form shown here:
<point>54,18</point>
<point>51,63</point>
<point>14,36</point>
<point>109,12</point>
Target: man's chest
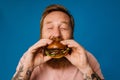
<point>64,74</point>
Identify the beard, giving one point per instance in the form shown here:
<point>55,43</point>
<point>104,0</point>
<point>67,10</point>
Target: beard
<point>58,63</point>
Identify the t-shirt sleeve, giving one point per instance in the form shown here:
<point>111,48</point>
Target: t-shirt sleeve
<point>94,64</point>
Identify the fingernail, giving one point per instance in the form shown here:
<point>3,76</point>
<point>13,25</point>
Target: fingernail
<point>62,42</point>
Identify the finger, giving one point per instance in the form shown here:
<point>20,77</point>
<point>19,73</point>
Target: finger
<point>69,43</point>
<point>51,37</point>
<point>46,58</point>
<point>41,43</point>
<point>64,42</point>
<point>68,56</point>
<point>38,59</point>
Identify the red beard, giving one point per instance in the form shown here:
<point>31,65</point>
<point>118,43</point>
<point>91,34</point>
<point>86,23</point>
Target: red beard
<point>58,63</point>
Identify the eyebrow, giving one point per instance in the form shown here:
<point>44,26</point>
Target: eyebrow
<point>48,22</point>
<point>65,22</point>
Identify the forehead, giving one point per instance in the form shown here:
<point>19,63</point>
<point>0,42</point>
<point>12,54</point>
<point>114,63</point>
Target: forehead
<point>57,15</point>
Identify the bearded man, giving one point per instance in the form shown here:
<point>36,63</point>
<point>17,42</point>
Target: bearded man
<point>36,64</point>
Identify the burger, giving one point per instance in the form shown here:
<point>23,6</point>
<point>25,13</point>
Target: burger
<point>56,49</point>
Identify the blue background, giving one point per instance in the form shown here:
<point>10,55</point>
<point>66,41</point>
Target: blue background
<point>97,29</point>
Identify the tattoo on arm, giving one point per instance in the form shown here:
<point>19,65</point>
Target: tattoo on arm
<point>20,74</point>
<point>93,76</point>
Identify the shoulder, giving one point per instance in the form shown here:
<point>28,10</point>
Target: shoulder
<point>92,60</point>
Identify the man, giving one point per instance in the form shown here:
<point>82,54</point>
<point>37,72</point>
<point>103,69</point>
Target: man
<point>57,22</point>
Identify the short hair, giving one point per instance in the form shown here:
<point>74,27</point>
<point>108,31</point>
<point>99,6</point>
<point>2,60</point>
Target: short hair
<point>56,7</point>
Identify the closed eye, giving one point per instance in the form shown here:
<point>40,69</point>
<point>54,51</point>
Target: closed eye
<point>50,28</point>
<point>63,28</point>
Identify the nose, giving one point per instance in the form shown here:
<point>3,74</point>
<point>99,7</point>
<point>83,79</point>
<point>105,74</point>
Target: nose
<point>56,33</point>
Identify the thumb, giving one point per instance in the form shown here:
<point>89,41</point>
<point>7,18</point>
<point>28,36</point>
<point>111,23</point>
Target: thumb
<point>68,56</point>
<point>46,58</point>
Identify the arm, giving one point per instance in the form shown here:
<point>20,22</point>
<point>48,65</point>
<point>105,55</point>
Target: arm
<point>24,68</point>
<point>89,74</point>
<point>23,73</point>
<point>95,66</point>
<point>32,58</point>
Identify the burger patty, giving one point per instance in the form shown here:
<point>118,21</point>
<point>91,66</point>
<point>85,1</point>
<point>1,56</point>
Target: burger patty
<point>53,52</point>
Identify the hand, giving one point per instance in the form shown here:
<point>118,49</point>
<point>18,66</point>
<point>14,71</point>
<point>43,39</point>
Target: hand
<point>34,56</point>
<point>78,55</point>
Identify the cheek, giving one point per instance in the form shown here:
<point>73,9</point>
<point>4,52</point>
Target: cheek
<point>66,35</point>
<point>45,34</point>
